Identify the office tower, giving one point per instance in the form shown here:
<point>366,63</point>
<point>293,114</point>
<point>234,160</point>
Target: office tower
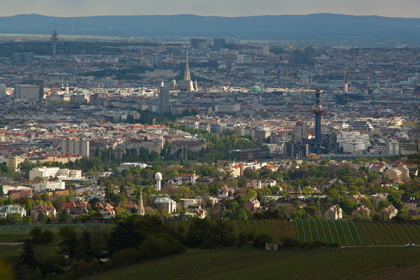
<point>54,40</point>
<point>218,44</point>
<point>19,58</point>
<point>75,147</point>
<point>301,131</point>
<point>164,100</point>
<point>197,43</point>
<point>317,110</point>
<point>39,83</point>
<point>28,92</point>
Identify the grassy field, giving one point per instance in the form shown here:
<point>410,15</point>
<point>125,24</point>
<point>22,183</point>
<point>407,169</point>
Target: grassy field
<point>14,238</point>
<point>10,250</point>
<point>247,263</point>
<point>344,233</point>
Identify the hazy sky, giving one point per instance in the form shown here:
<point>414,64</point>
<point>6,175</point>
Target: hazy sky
<point>389,8</point>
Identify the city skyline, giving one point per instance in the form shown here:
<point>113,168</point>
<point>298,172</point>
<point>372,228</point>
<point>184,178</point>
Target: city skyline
<point>230,8</point>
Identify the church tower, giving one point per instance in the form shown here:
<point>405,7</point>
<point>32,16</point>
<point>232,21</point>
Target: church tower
<point>187,75</point>
<point>140,209</point>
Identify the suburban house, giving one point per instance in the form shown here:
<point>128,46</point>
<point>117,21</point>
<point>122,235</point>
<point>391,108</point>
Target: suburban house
<point>259,184</point>
<point>392,174</point>
<point>186,202</point>
<point>412,204</point>
<point>45,209</point>
<point>183,179</point>
<point>362,210</point>
<point>129,204</point>
<point>199,212</point>
<point>405,173</point>
<point>12,209</point>
<point>75,208</point>
<point>235,171</point>
<point>358,197</point>
<point>389,212</point>
<point>333,213</point>
<point>252,204</point>
<point>377,198</point>
<point>20,193</point>
<point>105,209</point>
<point>288,202</point>
<point>223,191</point>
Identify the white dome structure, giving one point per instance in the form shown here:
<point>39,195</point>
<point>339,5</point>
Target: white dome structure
<point>158,178</point>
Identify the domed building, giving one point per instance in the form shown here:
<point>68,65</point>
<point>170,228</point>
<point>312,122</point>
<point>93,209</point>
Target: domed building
<point>158,178</point>
<point>255,88</point>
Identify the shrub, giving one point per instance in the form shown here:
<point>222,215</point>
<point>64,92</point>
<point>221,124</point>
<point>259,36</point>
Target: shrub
<point>260,240</point>
<point>41,237</point>
<point>160,245</point>
<point>126,257</point>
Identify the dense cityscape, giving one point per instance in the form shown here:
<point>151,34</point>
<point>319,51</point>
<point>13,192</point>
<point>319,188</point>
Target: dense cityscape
<point>116,152</point>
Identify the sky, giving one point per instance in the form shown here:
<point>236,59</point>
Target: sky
<point>229,8</point>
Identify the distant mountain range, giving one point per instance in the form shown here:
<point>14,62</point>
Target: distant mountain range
<point>330,27</point>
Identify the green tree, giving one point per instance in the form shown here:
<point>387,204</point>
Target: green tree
<point>348,205</point>
<point>68,243</point>
<point>84,249</point>
<point>366,202</point>
<point>28,255</point>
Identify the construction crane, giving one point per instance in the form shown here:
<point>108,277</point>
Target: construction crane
<point>348,100</point>
<point>228,84</point>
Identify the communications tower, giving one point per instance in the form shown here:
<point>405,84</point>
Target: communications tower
<point>317,110</point>
<point>54,40</point>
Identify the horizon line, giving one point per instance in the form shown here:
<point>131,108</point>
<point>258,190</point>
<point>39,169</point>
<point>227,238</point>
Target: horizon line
<point>265,15</point>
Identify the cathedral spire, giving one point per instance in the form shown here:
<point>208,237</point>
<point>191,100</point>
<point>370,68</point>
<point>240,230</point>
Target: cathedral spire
<point>187,75</point>
<point>140,209</point>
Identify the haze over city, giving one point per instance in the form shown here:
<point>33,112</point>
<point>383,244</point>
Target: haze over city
<point>228,8</point>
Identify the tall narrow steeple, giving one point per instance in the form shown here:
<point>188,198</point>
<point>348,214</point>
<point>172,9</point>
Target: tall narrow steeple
<point>140,209</point>
<point>187,75</point>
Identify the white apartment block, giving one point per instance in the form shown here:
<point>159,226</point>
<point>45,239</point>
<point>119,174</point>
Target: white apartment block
<point>389,146</point>
<point>12,209</point>
<point>50,186</point>
<point>75,147</point>
<point>47,172</point>
<point>353,141</point>
<point>128,165</point>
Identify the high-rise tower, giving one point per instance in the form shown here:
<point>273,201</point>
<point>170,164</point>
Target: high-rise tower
<point>187,75</point>
<point>164,106</point>
<point>54,40</point>
<point>317,110</point>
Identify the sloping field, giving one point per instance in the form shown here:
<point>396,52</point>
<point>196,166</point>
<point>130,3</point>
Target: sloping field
<point>235,263</point>
<point>344,233</point>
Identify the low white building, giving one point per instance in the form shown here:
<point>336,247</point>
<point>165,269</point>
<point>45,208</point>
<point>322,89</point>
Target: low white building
<point>12,209</point>
<point>166,202</point>
<point>353,141</point>
<point>47,172</point>
<point>128,165</point>
<point>50,186</point>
